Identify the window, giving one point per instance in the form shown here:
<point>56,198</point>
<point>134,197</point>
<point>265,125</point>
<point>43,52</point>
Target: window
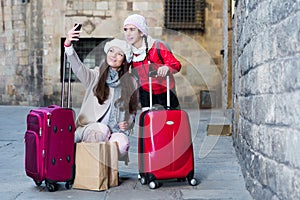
<point>89,50</point>
<point>185,14</point>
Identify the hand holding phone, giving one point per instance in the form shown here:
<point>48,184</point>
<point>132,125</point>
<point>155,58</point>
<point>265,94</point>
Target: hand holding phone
<point>78,28</point>
<point>73,35</point>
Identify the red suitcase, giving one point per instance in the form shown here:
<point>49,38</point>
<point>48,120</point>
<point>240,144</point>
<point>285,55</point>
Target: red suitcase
<point>165,145</point>
<point>49,145</point>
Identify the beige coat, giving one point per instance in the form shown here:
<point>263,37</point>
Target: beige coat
<point>90,110</point>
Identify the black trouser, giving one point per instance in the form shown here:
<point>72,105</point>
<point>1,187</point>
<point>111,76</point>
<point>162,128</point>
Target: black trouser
<point>160,99</point>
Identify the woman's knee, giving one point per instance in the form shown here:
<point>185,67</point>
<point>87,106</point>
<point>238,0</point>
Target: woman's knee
<point>123,142</point>
<point>96,132</point>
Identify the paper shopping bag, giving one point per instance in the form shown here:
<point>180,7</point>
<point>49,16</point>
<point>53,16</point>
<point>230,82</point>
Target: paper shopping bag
<point>96,166</point>
<point>113,179</point>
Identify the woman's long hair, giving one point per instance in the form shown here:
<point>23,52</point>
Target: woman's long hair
<point>128,89</point>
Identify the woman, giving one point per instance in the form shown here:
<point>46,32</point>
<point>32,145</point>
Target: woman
<point>108,109</point>
<point>146,57</point>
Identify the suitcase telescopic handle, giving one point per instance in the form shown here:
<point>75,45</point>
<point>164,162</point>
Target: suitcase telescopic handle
<point>63,84</point>
<point>153,74</point>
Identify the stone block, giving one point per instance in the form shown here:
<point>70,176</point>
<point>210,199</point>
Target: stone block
<point>48,90</point>
<point>262,170</point>
<point>156,6</point>
<point>6,99</point>
<point>291,74</point>
<point>287,107</point>
<point>287,37</point>
<point>23,61</point>
<point>87,12</point>
<point>284,185</point>
<point>264,141</point>
<point>280,10</point>
<point>88,5</point>
<point>140,6</point>
<point>296,184</point>
<point>291,142</point>
<point>78,5</point>
<point>121,5</point>
<point>98,13</point>
<point>102,5</point>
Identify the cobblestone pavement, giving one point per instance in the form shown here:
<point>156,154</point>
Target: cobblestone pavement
<point>216,166</point>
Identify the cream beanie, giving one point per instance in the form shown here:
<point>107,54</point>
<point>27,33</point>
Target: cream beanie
<point>139,21</point>
<point>122,45</point>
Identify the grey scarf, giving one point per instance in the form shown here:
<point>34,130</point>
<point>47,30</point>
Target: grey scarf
<point>112,79</point>
<point>115,115</point>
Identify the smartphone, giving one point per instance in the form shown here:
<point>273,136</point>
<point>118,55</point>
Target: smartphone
<point>78,28</point>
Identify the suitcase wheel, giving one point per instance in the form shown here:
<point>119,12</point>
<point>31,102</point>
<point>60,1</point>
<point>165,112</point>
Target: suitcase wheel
<point>69,184</point>
<point>153,184</point>
<point>38,183</point>
<point>143,180</point>
<point>193,182</point>
<point>52,187</point>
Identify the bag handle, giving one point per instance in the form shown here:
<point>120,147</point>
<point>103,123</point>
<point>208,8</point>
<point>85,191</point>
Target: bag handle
<point>154,74</point>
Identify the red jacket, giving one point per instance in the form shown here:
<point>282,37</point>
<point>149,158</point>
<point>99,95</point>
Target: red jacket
<point>142,68</point>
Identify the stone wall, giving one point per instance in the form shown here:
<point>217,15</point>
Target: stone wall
<point>266,58</point>
<point>21,50</point>
<point>31,43</point>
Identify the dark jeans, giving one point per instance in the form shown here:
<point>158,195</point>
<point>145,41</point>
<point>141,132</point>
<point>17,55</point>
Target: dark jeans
<point>160,99</point>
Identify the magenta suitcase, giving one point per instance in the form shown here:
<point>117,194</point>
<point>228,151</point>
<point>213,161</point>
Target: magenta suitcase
<point>49,145</point>
<point>165,145</point>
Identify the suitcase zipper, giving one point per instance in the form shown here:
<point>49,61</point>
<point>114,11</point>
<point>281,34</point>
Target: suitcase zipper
<point>39,122</point>
<point>48,119</point>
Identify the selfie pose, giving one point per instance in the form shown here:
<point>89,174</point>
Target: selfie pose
<point>109,106</point>
<point>149,55</point>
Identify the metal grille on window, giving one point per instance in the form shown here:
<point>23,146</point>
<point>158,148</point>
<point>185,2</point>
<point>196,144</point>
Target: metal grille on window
<point>84,50</point>
<point>185,14</point>
<point>89,50</point>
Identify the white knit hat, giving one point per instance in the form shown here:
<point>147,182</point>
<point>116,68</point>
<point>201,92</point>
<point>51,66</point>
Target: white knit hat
<point>122,45</point>
<point>139,21</point>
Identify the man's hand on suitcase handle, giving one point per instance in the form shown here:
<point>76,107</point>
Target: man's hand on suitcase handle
<point>161,72</point>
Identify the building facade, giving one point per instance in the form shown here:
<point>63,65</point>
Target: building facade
<point>32,54</point>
